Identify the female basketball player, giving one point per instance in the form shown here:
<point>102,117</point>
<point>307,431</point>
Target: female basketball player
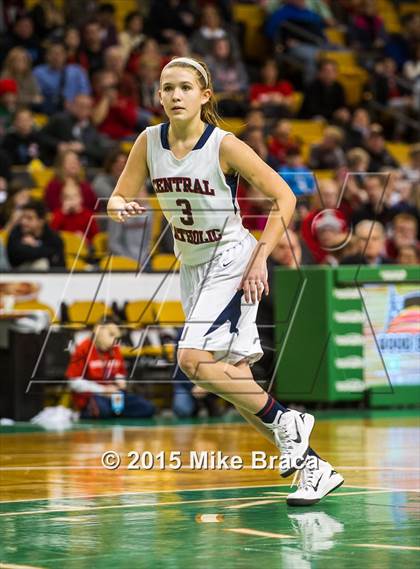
<point>194,168</point>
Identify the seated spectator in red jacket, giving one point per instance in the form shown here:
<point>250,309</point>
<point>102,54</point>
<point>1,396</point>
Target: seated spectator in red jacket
<point>113,115</point>
<point>32,244</point>
<point>97,375</point>
<point>22,142</point>
<point>282,140</point>
<point>68,168</point>
<point>274,97</point>
<point>403,229</point>
<point>328,154</point>
<point>371,238</point>
<point>326,200</point>
<point>72,216</point>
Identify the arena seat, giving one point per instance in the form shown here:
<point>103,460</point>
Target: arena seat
<point>40,173</point>
<point>126,146</point>
<point>140,313</point>
<point>37,193</point>
<point>118,263</point>
<point>324,174</point>
<point>100,244</point>
<point>297,100</point>
<point>408,8</point>
<point>170,313</point>
<point>74,263</point>
<point>353,80</point>
<point>165,262</point>
<point>3,236</point>
<point>40,120</point>
<point>399,151</point>
<point>390,16</point>
<point>87,313</point>
<point>35,305</point>
<point>74,244</point>
<point>252,17</point>
<point>309,131</point>
<point>342,58</point>
<point>335,36</point>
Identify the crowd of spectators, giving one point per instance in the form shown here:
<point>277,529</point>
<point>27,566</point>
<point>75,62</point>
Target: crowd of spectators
<point>77,86</point>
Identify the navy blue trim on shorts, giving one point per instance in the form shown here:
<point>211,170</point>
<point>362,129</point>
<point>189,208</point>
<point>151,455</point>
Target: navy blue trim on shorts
<point>164,129</point>
<point>231,313</point>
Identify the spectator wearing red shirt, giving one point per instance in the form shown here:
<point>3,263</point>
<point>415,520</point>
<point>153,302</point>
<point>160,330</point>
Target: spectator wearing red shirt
<point>97,372</point>
<point>281,141</point>
<point>68,168</point>
<point>72,216</point>
<point>113,115</point>
<point>274,97</point>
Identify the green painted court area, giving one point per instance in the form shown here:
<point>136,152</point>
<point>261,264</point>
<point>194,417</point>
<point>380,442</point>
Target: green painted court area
<point>355,527</point>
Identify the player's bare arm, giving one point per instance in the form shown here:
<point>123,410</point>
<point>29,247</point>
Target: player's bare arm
<point>237,156</point>
<point>122,203</point>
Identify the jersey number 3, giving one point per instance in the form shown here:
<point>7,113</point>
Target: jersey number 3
<point>186,211</point>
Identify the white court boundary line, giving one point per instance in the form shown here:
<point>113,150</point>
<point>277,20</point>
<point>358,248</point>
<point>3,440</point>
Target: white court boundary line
<point>88,509</point>
<point>185,467</point>
<point>203,489</point>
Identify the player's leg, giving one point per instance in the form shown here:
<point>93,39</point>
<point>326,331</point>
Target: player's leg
<point>252,419</point>
<point>317,479</point>
<point>291,429</point>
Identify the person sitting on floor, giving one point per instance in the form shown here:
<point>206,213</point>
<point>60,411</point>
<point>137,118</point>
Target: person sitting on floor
<point>97,375</point>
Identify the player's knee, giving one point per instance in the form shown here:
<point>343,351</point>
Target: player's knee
<point>188,362</point>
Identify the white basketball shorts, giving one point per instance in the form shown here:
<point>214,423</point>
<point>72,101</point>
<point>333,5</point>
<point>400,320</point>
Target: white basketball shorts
<point>218,319</point>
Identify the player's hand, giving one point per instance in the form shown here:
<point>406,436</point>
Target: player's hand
<point>254,282</point>
<point>125,210</point>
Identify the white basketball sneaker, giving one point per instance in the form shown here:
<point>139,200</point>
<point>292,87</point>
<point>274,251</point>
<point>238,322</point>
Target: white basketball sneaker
<point>317,480</point>
<point>292,434</point>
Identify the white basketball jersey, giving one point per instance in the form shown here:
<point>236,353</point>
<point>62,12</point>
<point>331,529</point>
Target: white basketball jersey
<point>197,198</point>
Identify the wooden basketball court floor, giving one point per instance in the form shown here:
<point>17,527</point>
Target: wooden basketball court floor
<point>62,509</point>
